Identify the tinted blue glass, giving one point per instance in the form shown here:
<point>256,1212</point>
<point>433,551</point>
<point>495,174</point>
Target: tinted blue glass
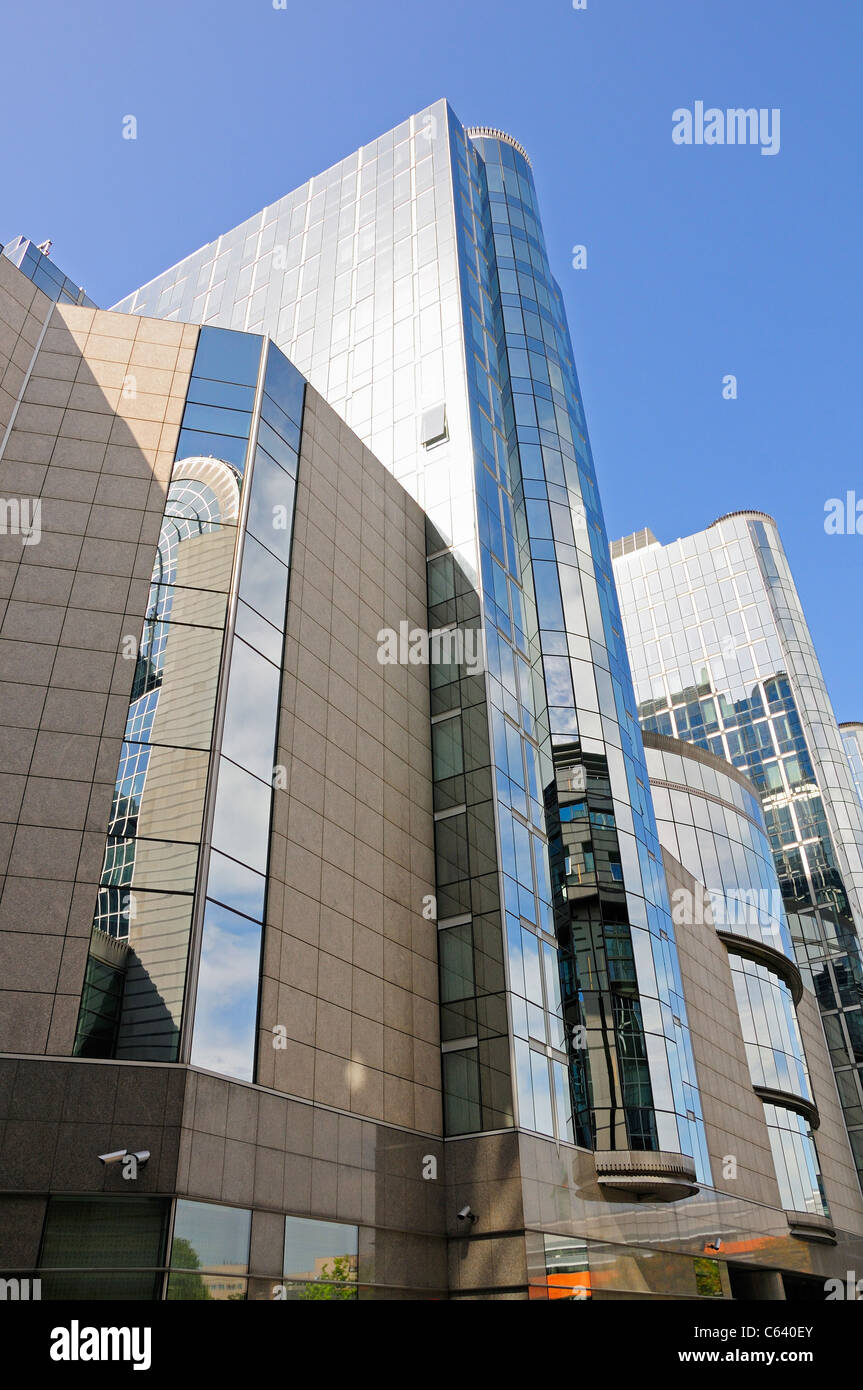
<point>284,384</point>
<point>228,356</point>
<point>226,1008</point>
<point>216,419</point>
<point>271,508</point>
<point>264,582</point>
<point>221,393</point>
<point>283,453</point>
<point>221,446</point>
<point>253,685</point>
<point>280,422</point>
<point>235,886</point>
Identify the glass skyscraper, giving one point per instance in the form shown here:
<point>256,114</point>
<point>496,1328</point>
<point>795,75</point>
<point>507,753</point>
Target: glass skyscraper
<point>345,904</point>
<point>411,284</point>
<point>852,737</point>
<point>722,657</point>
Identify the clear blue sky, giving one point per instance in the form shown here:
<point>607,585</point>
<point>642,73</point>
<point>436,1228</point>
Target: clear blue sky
<point>702,261</point>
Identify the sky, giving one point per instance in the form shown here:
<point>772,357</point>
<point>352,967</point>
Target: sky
<point>703,261</point>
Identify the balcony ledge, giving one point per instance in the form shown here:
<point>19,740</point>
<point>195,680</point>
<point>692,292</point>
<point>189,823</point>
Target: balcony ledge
<point>807,1226</point>
<point>627,1174</point>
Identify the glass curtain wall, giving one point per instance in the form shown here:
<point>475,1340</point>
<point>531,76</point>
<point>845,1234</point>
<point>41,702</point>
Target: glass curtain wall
<point>723,659</point>
<point>586,733</point>
<point>852,737</point>
<point>216,614</point>
<point>394,280</point>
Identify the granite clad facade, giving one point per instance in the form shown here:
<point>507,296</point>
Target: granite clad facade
<point>349,971</point>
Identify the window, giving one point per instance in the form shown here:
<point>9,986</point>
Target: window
<point>321,1259</point>
<point>433,428</point>
<point>103,1248</point>
<point>209,1252</point>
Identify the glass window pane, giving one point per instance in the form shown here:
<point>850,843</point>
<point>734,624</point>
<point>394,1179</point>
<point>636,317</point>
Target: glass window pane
<point>140,863</point>
<point>541,1092</point>
<point>217,420</point>
<point>461,1091</point>
<point>258,633</point>
<point>207,1236</point>
<point>198,443</point>
<point>253,690</point>
<point>456,963</point>
<point>159,792</point>
<point>121,1234</point>
<point>241,824</point>
<point>103,1232</point>
<point>273,443</point>
<point>236,886</point>
<point>228,356</point>
<point>178,669</point>
<point>285,384</point>
<point>221,393</point>
<point>279,421</point>
<point>189,1285</point>
<point>200,607</point>
<point>447,749</point>
<point>226,1008</point>
<point>320,1250</point>
<point>264,582</point>
<point>271,506</point>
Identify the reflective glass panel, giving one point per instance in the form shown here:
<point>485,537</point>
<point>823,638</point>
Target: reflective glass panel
<point>271,506</point>
<point>241,825</point>
<point>236,886</point>
<point>258,633</point>
<point>228,356</point>
<point>226,1008</point>
<point>320,1250</point>
<point>264,582</point>
<point>251,711</point>
<point>207,1236</point>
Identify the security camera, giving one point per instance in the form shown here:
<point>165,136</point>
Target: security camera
<point>714,1244</point>
<point>117,1157</point>
<point>466,1215</point>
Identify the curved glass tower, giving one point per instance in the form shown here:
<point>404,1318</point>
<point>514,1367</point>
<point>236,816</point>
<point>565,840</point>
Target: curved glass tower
<point>411,284</point>
<point>710,819</point>
<point>723,658</point>
<point>633,1077</point>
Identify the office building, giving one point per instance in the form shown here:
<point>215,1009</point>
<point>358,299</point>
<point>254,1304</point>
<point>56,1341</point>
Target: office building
<point>722,658</point>
<point>358,946</point>
<point>411,284</point>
